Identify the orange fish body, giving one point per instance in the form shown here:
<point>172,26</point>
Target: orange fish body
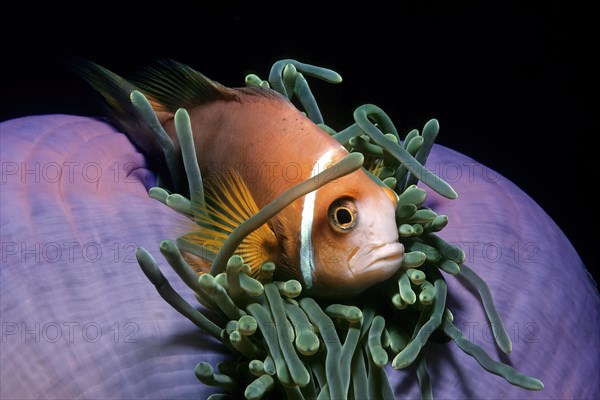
<point>338,240</point>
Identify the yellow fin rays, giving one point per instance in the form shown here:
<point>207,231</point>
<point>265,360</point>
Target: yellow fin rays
<point>228,204</point>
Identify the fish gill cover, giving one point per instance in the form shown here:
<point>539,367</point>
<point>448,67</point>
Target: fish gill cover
<point>285,342</point>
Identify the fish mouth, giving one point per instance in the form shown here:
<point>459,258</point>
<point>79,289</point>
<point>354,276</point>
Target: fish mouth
<point>384,257</point>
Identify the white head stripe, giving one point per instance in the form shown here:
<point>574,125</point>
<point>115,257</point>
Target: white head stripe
<point>308,210</point>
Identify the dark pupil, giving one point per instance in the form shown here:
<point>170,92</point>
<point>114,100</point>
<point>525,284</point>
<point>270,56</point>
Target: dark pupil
<point>343,216</point>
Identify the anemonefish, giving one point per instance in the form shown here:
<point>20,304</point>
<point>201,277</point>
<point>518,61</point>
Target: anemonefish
<point>252,144</point>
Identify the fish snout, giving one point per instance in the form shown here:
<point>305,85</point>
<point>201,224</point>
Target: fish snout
<point>361,268</point>
<point>379,260</point>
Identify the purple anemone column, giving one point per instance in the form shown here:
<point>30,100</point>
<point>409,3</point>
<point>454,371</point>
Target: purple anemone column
<point>80,320</point>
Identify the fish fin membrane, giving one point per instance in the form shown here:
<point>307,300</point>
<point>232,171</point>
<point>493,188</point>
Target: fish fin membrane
<point>228,204</point>
<point>173,85</point>
<point>116,91</point>
<point>198,264</point>
<point>374,165</point>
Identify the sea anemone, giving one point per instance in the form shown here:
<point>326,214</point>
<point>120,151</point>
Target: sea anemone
<point>57,278</point>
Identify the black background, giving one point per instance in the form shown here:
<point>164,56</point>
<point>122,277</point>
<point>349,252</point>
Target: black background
<point>511,87</point>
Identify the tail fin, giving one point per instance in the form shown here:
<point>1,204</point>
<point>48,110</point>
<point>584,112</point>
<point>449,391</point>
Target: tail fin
<point>120,111</point>
<point>167,85</point>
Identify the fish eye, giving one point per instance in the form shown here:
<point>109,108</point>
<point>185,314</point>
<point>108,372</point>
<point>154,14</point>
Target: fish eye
<point>343,215</point>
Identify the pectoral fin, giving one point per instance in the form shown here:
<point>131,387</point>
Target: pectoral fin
<point>228,204</point>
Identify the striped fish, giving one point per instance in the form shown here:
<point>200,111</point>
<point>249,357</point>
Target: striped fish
<point>253,144</point>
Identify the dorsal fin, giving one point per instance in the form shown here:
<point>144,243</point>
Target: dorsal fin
<point>228,204</point>
<point>173,85</point>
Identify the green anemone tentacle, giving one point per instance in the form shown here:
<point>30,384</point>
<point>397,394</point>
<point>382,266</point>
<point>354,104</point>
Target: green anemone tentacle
<point>283,340</point>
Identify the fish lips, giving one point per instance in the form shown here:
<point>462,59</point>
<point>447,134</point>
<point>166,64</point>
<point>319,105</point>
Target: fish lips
<point>380,260</point>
